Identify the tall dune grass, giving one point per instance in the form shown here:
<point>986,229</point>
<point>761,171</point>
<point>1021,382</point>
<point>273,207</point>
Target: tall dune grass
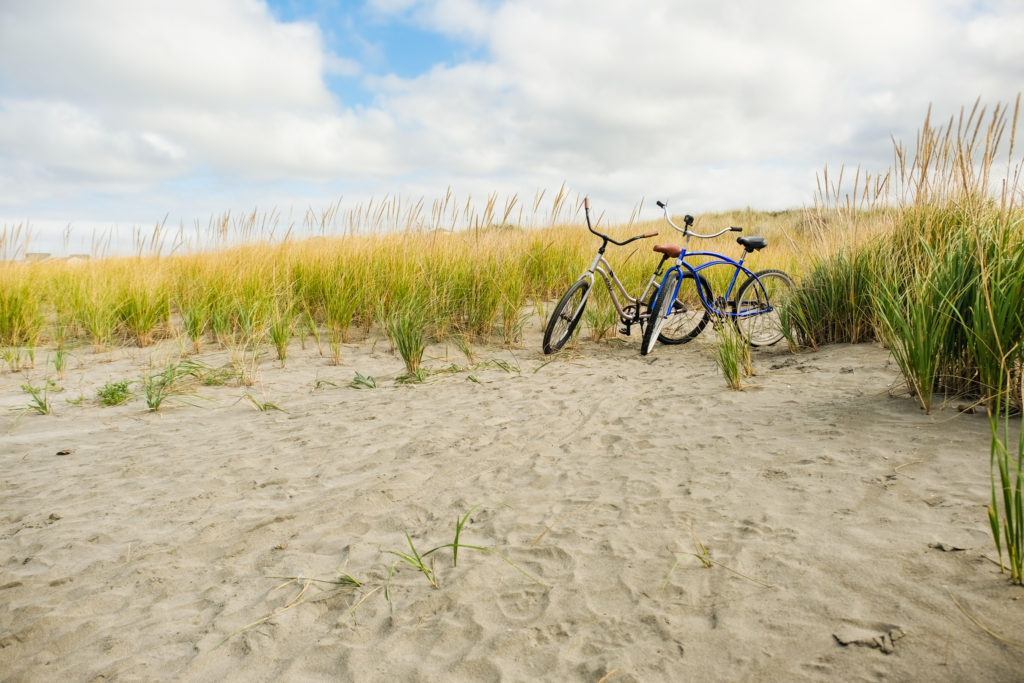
<point>942,286</point>
<point>951,230</point>
<point>473,284</point>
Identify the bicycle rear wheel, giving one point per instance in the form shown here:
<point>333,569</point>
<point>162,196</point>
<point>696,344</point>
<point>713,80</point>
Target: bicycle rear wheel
<point>757,307</point>
<point>566,316</point>
<point>688,317</point>
<point>662,303</point>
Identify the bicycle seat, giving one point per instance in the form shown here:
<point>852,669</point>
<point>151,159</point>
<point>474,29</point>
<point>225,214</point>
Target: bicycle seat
<point>669,250</point>
<point>752,243</point>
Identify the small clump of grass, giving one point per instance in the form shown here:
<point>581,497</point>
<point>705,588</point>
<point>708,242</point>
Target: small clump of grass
<point>307,326</point>
<point>464,342</point>
<point>418,376</point>
<point>502,364</point>
<point>60,360</point>
<point>335,342</point>
<point>417,560</point>
<point>703,555</point>
<point>732,355</point>
<point>40,399</point>
<point>407,326</point>
<point>114,393</point>
<point>12,356</point>
<point>217,376</point>
<point>262,405</point>
<point>344,583</point>
<point>194,310</point>
<point>359,381</point>
<point>251,320</point>
<point>282,328</point>
<point>168,383</point>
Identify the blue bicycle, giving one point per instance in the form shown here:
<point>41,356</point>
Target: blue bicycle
<point>754,310</point>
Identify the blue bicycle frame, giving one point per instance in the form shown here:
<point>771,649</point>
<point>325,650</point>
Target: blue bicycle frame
<point>717,260</point>
<point>721,260</point>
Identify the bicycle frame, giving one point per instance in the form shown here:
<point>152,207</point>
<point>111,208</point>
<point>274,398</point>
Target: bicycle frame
<point>718,260</point>
<point>612,283</point>
<point>721,260</point>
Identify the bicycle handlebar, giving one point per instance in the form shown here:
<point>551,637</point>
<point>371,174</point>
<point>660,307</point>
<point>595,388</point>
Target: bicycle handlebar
<point>606,238</point>
<point>688,221</point>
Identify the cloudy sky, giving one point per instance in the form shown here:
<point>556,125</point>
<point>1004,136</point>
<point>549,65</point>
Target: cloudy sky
<point>122,112</point>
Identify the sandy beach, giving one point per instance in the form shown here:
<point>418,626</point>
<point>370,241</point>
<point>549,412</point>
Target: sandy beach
<point>644,523</point>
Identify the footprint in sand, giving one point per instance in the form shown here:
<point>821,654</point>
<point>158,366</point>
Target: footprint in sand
<point>642,490</point>
<point>523,605</point>
<point>549,563</point>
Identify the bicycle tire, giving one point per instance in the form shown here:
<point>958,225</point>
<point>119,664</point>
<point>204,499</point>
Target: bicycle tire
<point>666,295</point>
<point>566,316</point>
<point>764,292</point>
<point>689,317</point>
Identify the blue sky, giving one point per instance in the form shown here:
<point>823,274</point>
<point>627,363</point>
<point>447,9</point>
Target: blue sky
<point>397,41</point>
<point>117,113</point>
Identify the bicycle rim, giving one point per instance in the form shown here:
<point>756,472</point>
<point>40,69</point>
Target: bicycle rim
<point>688,317</point>
<point>757,307</point>
<point>665,298</point>
<point>566,316</point>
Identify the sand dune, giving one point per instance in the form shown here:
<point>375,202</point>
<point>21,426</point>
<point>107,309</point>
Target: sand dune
<point>829,511</point>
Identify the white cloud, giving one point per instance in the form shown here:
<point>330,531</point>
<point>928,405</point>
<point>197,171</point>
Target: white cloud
<point>72,143</point>
<point>229,53</point>
<point>709,105</point>
<point>465,19</point>
<point>462,19</point>
<point>683,88</point>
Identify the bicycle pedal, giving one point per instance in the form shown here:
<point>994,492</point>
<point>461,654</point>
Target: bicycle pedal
<point>624,330</point>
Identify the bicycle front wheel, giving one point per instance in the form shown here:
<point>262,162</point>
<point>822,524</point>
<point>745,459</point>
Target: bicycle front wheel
<point>566,316</point>
<point>688,317</point>
<point>757,307</point>
<point>662,303</point>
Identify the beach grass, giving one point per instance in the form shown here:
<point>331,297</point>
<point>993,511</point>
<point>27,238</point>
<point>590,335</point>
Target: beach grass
<point>732,355</point>
<point>39,396</point>
<point>168,383</point>
<point>939,282</point>
<point>114,393</point>
<point>943,287</point>
<point>470,285</point>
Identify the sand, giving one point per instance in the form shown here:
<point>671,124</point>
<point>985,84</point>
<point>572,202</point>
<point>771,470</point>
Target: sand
<point>844,529</point>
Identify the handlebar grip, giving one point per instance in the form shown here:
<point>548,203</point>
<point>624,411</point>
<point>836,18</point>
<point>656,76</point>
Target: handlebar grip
<point>586,203</point>
<point>651,234</point>
<point>734,229</point>
<point>661,204</point>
